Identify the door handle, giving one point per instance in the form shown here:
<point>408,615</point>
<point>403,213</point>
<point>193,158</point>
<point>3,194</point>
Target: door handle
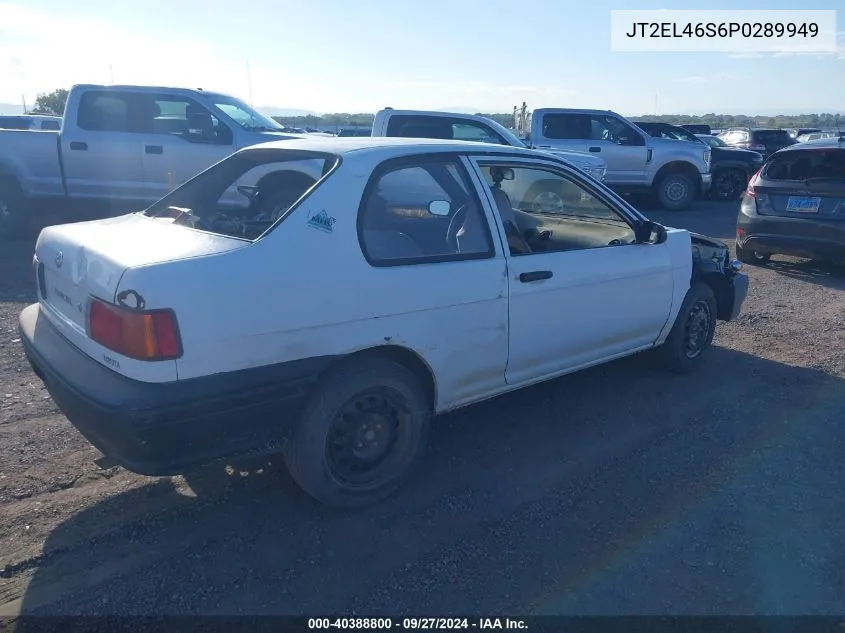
<point>535,275</point>
<point>154,149</point>
<point>595,149</point>
<point>79,146</point>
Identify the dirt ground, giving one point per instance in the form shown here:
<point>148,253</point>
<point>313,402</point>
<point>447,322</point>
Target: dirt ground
<point>616,490</point>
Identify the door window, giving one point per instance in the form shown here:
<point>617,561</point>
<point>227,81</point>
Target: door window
<point>546,211</point>
<point>422,211</point>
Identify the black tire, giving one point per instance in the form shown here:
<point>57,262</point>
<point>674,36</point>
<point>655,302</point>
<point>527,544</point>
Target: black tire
<point>684,348</point>
<point>675,191</point>
<point>356,404</point>
<point>12,217</point>
<point>546,195</point>
<point>728,184</point>
<point>752,257</point>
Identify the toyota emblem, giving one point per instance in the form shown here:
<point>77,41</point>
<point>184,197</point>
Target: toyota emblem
<point>59,259</point>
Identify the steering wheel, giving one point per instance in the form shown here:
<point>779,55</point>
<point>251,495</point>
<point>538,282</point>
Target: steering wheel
<point>455,224</point>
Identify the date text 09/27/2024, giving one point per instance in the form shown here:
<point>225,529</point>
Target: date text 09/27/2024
<point>416,624</point>
<point>723,29</point>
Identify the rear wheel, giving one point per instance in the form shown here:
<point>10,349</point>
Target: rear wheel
<point>752,257</point>
<point>362,433</point>
<point>675,191</point>
<point>692,333</point>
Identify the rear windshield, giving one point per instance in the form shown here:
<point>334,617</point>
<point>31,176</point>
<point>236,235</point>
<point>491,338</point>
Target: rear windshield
<point>773,137</point>
<point>809,163</point>
<point>246,194</point>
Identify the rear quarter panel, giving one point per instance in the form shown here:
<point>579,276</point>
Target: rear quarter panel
<point>301,292</point>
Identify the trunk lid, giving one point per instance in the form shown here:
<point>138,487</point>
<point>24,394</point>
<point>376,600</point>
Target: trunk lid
<point>75,261</point>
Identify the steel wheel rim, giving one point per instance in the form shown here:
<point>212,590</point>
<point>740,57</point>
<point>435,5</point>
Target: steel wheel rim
<point>676,191</point>
<point>548,202</point>
<point>369,435</point>
<point>697,328</point>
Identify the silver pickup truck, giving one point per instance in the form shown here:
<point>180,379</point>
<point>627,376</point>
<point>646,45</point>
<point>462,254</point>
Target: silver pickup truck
<point>677,172</point>
<point>128,145</point>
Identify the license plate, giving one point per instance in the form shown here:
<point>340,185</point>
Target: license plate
<point>802,204</point>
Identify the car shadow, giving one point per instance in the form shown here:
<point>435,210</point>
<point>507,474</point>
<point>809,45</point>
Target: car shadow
<point>620,489</point>
<point>825,274</point>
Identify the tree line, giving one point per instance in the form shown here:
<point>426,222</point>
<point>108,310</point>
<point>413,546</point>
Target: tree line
<point>54,103</point>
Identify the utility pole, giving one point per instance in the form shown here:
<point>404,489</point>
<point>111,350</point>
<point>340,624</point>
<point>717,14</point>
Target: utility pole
<point>23,98</point>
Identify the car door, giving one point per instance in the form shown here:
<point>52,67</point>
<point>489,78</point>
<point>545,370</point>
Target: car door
<point>427,235</point>
<point>582,288</point>
<point>101,154</point>
<point>622,147</point>
<point>181,139</point>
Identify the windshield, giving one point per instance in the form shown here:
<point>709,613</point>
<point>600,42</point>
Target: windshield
<point>509,136</point>
<point>245,116</point>
<point>245,194</point>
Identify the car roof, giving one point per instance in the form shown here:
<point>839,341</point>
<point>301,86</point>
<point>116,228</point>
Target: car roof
<point>345,145</point>
<point>819,143</point>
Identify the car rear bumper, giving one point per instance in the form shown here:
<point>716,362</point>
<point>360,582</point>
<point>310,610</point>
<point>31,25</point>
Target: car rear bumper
<point>798,237</point>
<point>167,428</point>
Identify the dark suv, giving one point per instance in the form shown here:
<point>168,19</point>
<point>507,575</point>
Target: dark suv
<point>731,167</point>
<point>764,140</point>
<point>795,205</point>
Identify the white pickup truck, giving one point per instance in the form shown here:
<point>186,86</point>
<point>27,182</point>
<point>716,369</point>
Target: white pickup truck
<point>469,127</point>
<point>128,145</point>
<point>677,172</point>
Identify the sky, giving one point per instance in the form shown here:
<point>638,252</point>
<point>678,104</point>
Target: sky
<point>361,56</point>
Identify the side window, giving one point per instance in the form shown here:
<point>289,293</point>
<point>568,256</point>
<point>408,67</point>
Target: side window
<point>104,112</point>
<point>422,212</point>
<point>566,126</point>
<point>186,118</point>
<point>546,211</point>
<point>471,131</point>
<point>610,128</point>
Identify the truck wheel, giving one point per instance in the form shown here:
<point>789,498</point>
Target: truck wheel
<point>752,257</point>
<point>11,209</point>
<point>692,333</point>
<point>361,434</point>
<point>728,184</point>
<point>675,191</point>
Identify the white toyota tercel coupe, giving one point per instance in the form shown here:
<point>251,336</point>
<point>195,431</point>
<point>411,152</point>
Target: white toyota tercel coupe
<point>241,314</point>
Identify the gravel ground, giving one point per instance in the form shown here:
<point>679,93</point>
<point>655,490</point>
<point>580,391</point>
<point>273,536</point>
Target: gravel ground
<point>617,490</point>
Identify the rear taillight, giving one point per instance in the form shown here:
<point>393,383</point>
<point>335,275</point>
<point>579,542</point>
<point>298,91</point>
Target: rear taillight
<point>139,334</point>
<point>753,181</point>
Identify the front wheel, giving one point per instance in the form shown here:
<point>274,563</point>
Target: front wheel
<point>728,184</point>
<point>692,334</point>
<point>362,433</point>
<point>675,191</point>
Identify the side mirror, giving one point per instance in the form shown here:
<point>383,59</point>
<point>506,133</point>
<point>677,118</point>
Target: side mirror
<point>652,233</point>
<point>439,207</point>
<point>248,191</point>
<point>508,173</point>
